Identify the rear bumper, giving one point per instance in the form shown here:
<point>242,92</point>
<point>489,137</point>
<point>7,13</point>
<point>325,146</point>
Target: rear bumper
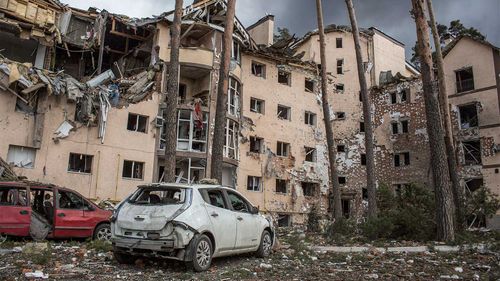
<point>148,248</point>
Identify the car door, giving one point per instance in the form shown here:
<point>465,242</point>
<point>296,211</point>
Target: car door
<point>70,218</point>
<point>247,227</point>
<point>15,211</point>
<point>222,218</point>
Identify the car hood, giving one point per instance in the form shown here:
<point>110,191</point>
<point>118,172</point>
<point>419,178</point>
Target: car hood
<point>144,217</point>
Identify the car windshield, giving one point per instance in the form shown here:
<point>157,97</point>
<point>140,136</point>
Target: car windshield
<point>159,196</point>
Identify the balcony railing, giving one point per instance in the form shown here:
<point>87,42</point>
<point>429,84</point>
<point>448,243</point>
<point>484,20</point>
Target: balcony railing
<point>465,85</point>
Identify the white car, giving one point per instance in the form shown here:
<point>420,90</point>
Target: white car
<point>191,223</point>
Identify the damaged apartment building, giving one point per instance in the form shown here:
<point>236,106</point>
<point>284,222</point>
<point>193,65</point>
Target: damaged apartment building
<point>82,100</point>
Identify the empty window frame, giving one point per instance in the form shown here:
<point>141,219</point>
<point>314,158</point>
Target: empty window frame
<point>258,69</point>
<point>231,140</point>
<point>339,115</point>
<point>284,220</point>
<point>256,144</point>
<point>80,163</point>
<point>338,43</point>
<point>257,105</point>
<point>363,159</point>
<point>472,152</point>
<point>361,127</point>
<point>310,154</point>
<point>468,116</point>
<point>235,52</point>
<point>346,208</point>
<point>133,170</point>
<point>282,149</point>
<point>281,186</point>
<point>284,112</point>
<point>310,188</point>
<point>309,85</point>
<point>191,131</point>
<point>401,159</point>
<point>181,96</point>
<point>399,127</point>
<point>340,66</point>
<point>310,118</point>
<point>21,156</point>
<point>341,148</point>
<point>233,97</point>
<point>400,96</point>
<point>254,183</point>
<point>364,193</point>
<point>464,80</point>
<point>137,123</point>
<point>342,180</point>
<point>339,88</point>
<point>284,77</point>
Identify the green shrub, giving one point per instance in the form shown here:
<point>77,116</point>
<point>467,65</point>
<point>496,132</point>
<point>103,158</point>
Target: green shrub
<point>377,228</point>
<point>479,205</point>
<point>340,230</point>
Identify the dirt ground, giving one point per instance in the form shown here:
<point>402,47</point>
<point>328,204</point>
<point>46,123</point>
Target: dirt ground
<point>293,260</point>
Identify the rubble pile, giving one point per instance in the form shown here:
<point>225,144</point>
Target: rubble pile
<point>6,171</point>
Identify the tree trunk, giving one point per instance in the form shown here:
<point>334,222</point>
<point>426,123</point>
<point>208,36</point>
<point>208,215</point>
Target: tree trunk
<point>334,181</point>
<point>445,113</point>
<point>171,97</point>
<point>222,89</point>
<point>445,211</point>
<point>369,146</point>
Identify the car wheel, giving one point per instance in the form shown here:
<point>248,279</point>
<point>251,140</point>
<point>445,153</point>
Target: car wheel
<point>266,244</point>
<point>201,254</point>
<point>102,232</point>
<point>122,258</point>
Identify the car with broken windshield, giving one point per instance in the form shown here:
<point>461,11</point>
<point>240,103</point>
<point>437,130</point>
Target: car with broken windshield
<point>190,223</point>
<point>29,209</point>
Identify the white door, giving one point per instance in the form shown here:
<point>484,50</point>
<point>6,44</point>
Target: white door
<point>223,221</point>
<point>247,226</point>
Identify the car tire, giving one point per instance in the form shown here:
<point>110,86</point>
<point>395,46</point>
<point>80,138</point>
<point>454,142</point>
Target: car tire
<point>122,258</point>
<point>266,244</point>
<point>102,232</point>
<point>201,253</point>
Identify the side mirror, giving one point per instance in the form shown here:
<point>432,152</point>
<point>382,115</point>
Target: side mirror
<point>254,210</point>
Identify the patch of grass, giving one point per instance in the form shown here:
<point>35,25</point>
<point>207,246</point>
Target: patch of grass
<point>41,258</point>
<point>100,246</point>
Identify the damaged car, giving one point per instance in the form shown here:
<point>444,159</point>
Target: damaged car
<point>190,223</point>
<point>40,211</point>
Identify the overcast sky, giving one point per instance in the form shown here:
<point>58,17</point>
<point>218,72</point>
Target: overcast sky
<point>391,16</point>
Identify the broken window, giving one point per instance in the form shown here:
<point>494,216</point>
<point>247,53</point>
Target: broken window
<point>133,170</point>
<point>256,105</point>
<point>13,196</point>
<point>340,115</point>
<point>468,116</point>
<point>235,52</point>
<point>258,69</point>
<point>340,148</point>
<point>394,98</point>
<point>233,98</point>
<point>284,220</point>
<point>80,163</point>
<point>309,85</point>
<point>231,140</point>
<point>284,112</point>
<point>346,208</point>
<point>464,80</point>
<point>24,107</point>
<point>310,118</point>
<point>253,183</point>
<point>404,126</point>
<point>189,170</point>
<point>472,152</point>
<point>215,198</point>
<point>21,156</point>
<point>310,154</point>
<point>400,127</point>
<point>340,66</point>
<point>400,96</point>
<point>364,193</point>
<point>310,188</point>
<point>361,127</point>
<point>256,144</point>
<point>283,149</point>
<point>192,131</point>
<point>281,186</point>
<point>181,97</point>
<point>284,77</point>
<point>342,180</point>
<point>339,88</point>
<point>401,159</point>
<point>137,123</point>
<point>363,159</point>
<point>472,185</point>
<point>338,43</point>
<point>70,201</point>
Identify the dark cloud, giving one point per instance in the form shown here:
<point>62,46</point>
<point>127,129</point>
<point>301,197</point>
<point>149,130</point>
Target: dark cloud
<point>391,16</point>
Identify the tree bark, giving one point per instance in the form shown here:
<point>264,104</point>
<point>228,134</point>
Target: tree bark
<point>369,146</point>
<point>171,97</point>
<point>332,152</point>
<point>445,113</point>
<point>222,90</point>
<point>445,211</point>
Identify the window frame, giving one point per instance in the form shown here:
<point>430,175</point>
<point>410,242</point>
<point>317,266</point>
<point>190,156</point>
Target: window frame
<point>284,150</point>
<point>288,110</point>
<point>132,170</point>
<point>255,179</point>
<point>311,151</point>
<point>308,81</point>
<point>289,77</point>
<point>253,105</point>
<point>337,41</point>
<point>310,118</point>
<point>26,151</point>
<point>262,66</point>
<point>138,117</point>
<point>85,164</point>
<point>280,182</point>
<point>261,144</point>
<point>340,67</point>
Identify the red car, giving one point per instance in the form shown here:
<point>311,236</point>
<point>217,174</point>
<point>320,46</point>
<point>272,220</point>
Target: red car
<point>45,211</point>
